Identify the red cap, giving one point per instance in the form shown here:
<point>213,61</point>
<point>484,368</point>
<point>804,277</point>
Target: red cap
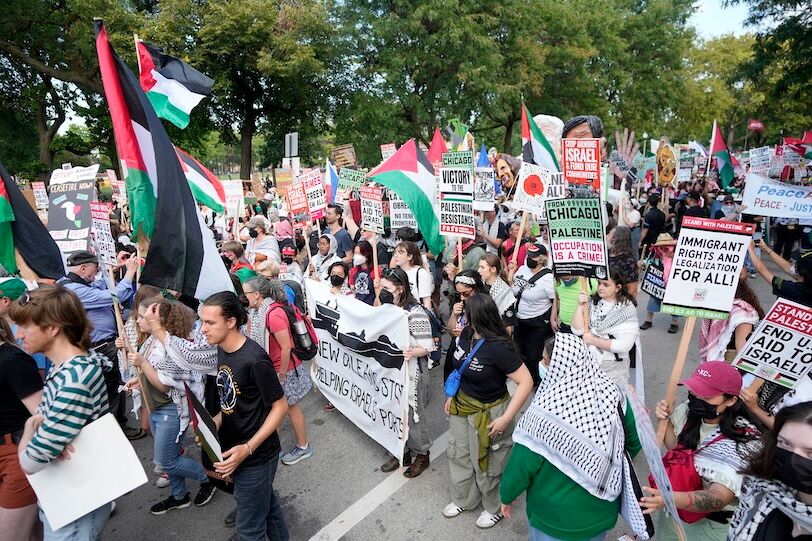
<point>714,378</point>
<point>288,250</point>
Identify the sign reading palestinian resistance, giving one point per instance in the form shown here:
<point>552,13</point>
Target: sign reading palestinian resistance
<point>760,159</point>
<point>654,279</point>
<point>780,349</point>
<point>535,186</point>
<point>103,240</point>
<point>581,160</point>
<point>705,271</point>
<point>399,213</point>
<point>299,213</point>
<point>313,184</point>
<point>350,179</point>
<point>484,188</point>
<point>344,156</point>
<point>457,195</point>
<point>69,208</point>
<point>40,195</point>
<point>372,215</point>
<point>359,366</point>
<point>577,238</point>
<point>766,197</point>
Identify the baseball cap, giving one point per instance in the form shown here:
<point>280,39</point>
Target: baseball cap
<point>257,222</point>
<point>536,250</point>
<point>288,250</point>
<point>728,198</point>
<point>714,378</point>
<point>11,287</point>
<point>82,257</point>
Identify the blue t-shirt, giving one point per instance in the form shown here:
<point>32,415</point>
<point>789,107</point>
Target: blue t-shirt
<point>342,236</point>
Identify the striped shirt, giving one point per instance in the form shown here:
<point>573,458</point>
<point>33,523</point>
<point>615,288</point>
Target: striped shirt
<point>75,394</point>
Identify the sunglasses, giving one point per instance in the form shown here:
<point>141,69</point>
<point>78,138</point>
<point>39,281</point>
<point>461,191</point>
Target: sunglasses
<point>25,299</point>
<point>390,274</point>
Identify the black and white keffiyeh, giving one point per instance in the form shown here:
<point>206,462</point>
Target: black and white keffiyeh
<point>574,422</point>
<point>502,295</point>
<point>605,315</point>
<point>759,498</point>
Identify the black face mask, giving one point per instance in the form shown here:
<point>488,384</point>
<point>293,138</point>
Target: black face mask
<point>386,297</point>
<point>336,280</point>
<point>287,260</point>
<point>531,263</point>
<point>794,470</point>
<point>253,233</point>
<point>699,408</point>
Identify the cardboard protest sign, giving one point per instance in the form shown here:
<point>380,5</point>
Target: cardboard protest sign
<point>577,238</point>
<point>372,215</point>
<point>760,159</point>
<point>387,150</point>
<point>667,165</point>
<point>103,239</point>
<point>350,179</point>
<point>299,213</point>
<point>399,213</point>
<point>705,271</point>
<point>283,178</point>
<point>40,195</point>
<point>344,156</point>
<point>359,367</point>
<point>69,214</point>
<point>484,188</point>
<point>766,197</point>
<point>780,349</point>
<point>457,195</point>
<point>654,279</point>
<point>535,186</point>
<point>581,160</point>
<point>313,184</point>
<point>234,198</point>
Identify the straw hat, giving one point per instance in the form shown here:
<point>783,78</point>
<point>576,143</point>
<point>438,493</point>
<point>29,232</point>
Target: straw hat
<point>664,239</point>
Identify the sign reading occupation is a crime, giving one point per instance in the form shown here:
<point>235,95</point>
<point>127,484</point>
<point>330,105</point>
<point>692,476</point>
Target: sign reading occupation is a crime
<point>766,197</point>
<point>705,270</point>
<point>457,195</point>
<point>372,215</point>
<point>780,349</point>
<point>577,237</point>
<point>581,160</point>
<point>313,184</point>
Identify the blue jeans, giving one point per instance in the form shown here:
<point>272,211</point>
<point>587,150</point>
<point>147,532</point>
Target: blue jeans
<point>86,528</point>
<point>165,425</point>
<point>538,535</point>
<point>258,510</point>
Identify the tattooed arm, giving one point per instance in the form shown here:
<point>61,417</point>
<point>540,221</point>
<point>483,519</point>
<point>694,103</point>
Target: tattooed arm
<point>713,498</point>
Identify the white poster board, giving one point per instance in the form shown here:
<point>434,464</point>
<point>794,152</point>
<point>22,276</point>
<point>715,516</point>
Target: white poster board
<point>372,209</point>
<point>103,239</point>
<point>457,195</point>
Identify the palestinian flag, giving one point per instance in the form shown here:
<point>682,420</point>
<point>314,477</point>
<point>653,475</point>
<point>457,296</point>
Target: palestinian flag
<point>204,427</point>
<point>535,147</point>
<point>22,231</point>
<point>173,87</point>
<point>807,142</point>
<point>723,162</point>
<point>410,175</point>
<point>206,188</point>
<point>182,250</point>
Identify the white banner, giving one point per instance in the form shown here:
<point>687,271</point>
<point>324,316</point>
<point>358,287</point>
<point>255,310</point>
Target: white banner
<point>359,367</point>
<point>766,197</point>
<point>103,239</point>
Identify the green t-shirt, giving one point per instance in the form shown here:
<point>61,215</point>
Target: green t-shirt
<point>568,298</point>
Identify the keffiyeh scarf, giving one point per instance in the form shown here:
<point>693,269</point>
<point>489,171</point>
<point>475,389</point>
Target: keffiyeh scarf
<point>715,333</point>
<point>606,315</point>
<point>256,321</point>
<point>502,295</point>
<point>759,498</point>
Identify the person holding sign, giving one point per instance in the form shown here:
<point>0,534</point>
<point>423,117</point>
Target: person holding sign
<point>407,256</point>
<point>718,431</point>
<point>322,260</point>
<point>800,291</point>
<point>52,320</point>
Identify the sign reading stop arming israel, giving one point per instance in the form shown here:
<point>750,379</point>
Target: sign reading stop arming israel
<point>457,195</point>
<point>359,366</point>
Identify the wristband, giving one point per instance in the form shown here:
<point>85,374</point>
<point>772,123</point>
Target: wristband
<point>250,451</point>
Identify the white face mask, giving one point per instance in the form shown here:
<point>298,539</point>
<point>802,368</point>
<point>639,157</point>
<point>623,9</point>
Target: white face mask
<point>358,259</point>
<point>542,371</point>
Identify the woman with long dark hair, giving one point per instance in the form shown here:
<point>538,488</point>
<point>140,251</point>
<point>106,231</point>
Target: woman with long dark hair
<point>494,277</point>
<point>362,281</point>
<point>776,494</point>
<point>466,283</point>
<point>623,258</point>
<point>481,415</point>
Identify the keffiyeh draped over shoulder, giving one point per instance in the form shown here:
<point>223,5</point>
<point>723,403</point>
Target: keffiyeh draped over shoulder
<point>759,498</point>
<point>716,333</point>
<point>574,423</point>
<point>503,296</point>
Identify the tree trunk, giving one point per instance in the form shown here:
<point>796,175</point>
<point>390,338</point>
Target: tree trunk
<point>246,140</point>
<point>508,135</point>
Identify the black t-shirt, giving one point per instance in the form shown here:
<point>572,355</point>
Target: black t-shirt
<point>625,264</point>
<point>793,291</point>
<point>486,376</point>
<point>778,527</point>
<point>654,222</point>
<point>248,386</point>
<point>19,378</point>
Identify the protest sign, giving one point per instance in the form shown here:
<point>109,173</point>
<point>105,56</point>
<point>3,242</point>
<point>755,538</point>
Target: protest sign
<point>74,174</point>
<point>484,188</point>
<point>705,271</point>
<point>350,179</point>
<point>643,164</point>
<point>760,159</point>
<point>684,173</point>
<point>766,197</point>
<point>313,184</point>
<point>344,156</point>
<point>654,279</point>
<point>780,349</point>
<point>40,195</point>
<point>119,191</point>
<point>372,209</point>
<point>387,150</point>
<point>102,467</point>
<point>69,214</point>
<point>581,160</point>
<point>400,213</point>
<point>297,205</point>
<point>103,239</point>
<point>577,237</point>
<point>535,186</point>
<point>667,164</point>
<point>791,157</point>
<point>359,366</point>
<point>234,199</point>
<point>283,178</point>
<point>457,194</point>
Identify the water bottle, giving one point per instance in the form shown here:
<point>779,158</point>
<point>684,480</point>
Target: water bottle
<point>302,335</point>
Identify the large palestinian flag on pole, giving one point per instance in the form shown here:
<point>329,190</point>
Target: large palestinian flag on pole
<point>182,250</point>
<point>410,175</point>
<point>535,147</point>
<point>173,87</point>
<point>724,164</point>
<point>22,231</point>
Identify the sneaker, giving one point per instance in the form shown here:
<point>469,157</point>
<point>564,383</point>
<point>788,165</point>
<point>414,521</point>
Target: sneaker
<point>645,326</point>
<point>133,433</point>
<point>673,328</point>
<point>158,469</point>
<point>205,494</point>
<point>297,454</point>
<point>486,520</point>
<point>452,510</point>
<point>162,481</point>
<point>231,518</point>
<point>170,504</point>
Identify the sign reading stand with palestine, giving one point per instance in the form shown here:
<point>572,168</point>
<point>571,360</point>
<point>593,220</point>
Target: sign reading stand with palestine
<point>705,271</point>
<point>577,237</point>
<point>372,209</point>
<point>780,349</point>
<point>457,195</point>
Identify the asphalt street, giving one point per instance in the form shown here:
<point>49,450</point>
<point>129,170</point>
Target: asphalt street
<point>340,493</point>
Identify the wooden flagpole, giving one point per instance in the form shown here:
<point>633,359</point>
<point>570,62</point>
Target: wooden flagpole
<point>676,373</point>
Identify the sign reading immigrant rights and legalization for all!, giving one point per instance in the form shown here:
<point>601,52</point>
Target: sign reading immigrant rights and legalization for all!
<point>581,160</point>
<point>705,270</point>
<point>780,349</point>
<point>457,195</point>
<point>577,237</point>
<point>372,209</point>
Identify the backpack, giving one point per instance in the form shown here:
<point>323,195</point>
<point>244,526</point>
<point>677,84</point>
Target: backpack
<point>298,294</point>
<point>305,342</point>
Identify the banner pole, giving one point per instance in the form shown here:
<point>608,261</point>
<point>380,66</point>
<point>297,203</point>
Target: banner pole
<point>374,243</point>
<point>676,373</point>
<point>459,254</point>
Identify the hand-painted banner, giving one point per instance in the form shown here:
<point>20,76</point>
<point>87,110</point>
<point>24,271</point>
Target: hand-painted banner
<point>359,367</point>
<point>766,197</point>
<point>577,237</point>
<point>708,260</point>
<point>780,349</point>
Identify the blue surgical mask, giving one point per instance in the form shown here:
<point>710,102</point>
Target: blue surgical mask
<point>542,371</point>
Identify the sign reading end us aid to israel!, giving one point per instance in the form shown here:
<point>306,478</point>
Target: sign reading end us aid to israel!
<point>372,209</point>
<point>780,349</point>
<point>577,237</point>
<point>457,195</point>
<point>705,270</point>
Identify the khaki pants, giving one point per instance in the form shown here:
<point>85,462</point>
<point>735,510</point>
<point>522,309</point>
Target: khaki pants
<point>469,484</point>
